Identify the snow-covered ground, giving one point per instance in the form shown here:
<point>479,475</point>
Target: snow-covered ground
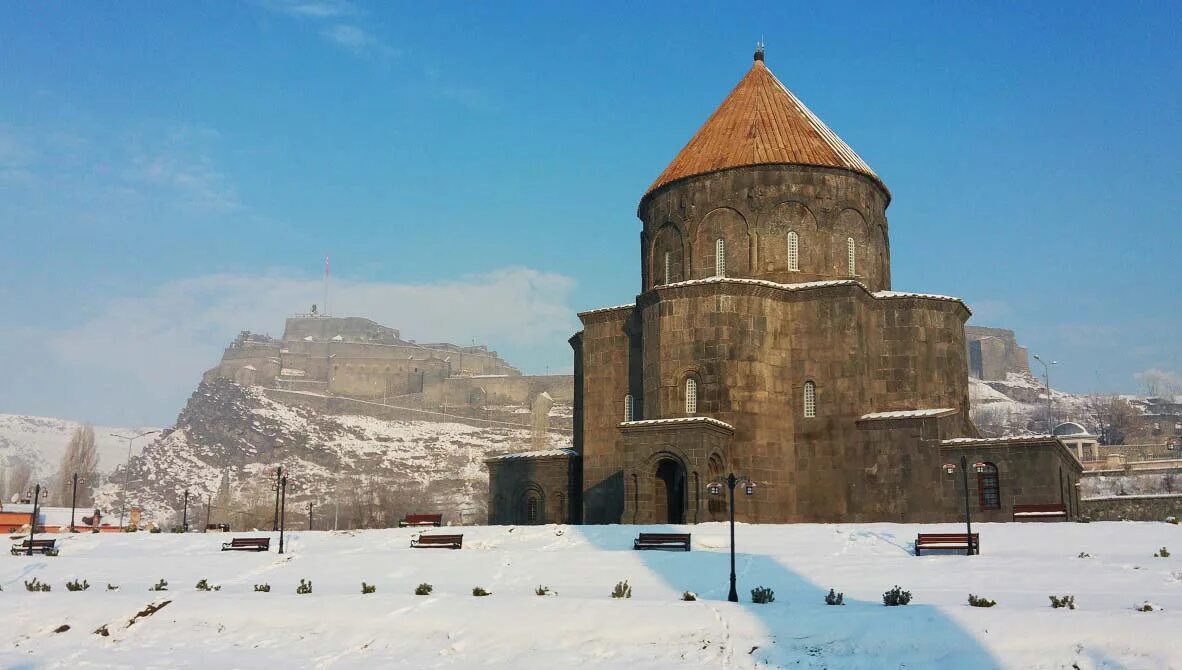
<point>336,626</point>
<point>41,441</point>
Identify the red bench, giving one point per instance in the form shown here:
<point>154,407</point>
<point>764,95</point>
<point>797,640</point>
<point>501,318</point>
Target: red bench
<point>947,541</point>
<point>421,520</point>
<point>440,541</point>
<point>1051,512</point>
<point>248,544</point>
<point>662,541</point>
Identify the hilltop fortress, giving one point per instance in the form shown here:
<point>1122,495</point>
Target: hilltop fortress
<point>359,359</point>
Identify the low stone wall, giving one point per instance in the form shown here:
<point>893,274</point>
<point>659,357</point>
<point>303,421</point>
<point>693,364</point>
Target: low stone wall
<point>1133,508</point>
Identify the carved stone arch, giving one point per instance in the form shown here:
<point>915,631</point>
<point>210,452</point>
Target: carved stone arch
<point>670,238</point>
<point>666,476</point>
<point>530,504</point>
<point>728,224</point>
<point>678,404</point>
<point>775,224</point>
<point>715,471</point>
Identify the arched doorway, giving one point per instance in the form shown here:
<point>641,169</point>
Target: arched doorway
<point>669,492</point>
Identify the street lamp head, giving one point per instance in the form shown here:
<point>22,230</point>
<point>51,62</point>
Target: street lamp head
<point>949,468</point>
<point>714,488</point>
<point>979,467</point>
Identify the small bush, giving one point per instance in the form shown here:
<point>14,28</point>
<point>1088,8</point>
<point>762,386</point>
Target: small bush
<point>1084,554</point>
<point>367,588</point>
<point>1172,519</point>
<point>1162,553</point>
<point>262,588</point>
<point>896,597</point>
<point>424,589</point>
<point>112,587</point>
<point>543,591</point>
<point>53,552</point>
<point>37,585</point>
<point>204,585</point>
<point>835,598</point>
<point>1063,601</point>
<point>622,590</point>
<point>978,601</point>
<point>689,596</point>
<point>762,595</point>
<point>160,586</point>
<point>479,591</point>
<point>304,587</point>
<point>77,585</point>
<point>154,530</point>
<point>1144,607</point>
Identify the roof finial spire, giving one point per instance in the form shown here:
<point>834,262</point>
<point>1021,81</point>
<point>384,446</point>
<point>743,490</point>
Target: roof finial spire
<point>759,50</point>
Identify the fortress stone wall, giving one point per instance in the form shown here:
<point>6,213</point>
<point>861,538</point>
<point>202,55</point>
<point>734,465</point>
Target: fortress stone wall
<point>994,352</point>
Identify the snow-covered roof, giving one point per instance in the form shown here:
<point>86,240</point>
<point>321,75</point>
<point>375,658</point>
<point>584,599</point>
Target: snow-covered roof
<point>607,309</point>
<point>338,338</point>
<point>909,294</point>
<point>679,420</point>
<point>986,441</point>
<point>909,414</point>
<point>1070,429</point>
<point>249,367</point>
<point>522,455</point>
<point>804,286</point>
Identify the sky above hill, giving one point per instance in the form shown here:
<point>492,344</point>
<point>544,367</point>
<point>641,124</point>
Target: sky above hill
<point>170,175</point>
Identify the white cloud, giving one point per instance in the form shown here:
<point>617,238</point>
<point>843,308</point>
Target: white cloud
<point>340,23</point>
<point>356,39</point>
<point>137,358</point>
<point>314,9</point>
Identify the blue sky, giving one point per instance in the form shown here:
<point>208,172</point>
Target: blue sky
<point>171,174</point>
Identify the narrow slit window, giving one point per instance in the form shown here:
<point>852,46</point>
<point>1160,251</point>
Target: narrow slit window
<point>793,251</point>
<point>720,257</point>
<point>810,400</point>
<point>989,487</point>
<point>668,267</point>
<point>531,509</point>
<point>849,252</point>
<point>628,411</point>
<point>691,396</point>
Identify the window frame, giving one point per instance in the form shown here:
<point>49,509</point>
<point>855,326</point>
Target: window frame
<point>720,257</point>
<point>851,257</point>
<point>809,403</point>
<point>793,251</point>
<point>691,396</point>
<point>629,408</point>
<point>983,485</point>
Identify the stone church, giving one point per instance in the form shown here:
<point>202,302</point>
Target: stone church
<point>767,342</point>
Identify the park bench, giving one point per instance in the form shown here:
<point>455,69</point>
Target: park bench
<point>1053,511</point>
<point>39,547</point>
<point>443,541</point>
<point>247,544</point>
<point>946,541</point>
<point>217,527</point>
<point>662,541</point>
<point>421,520</point>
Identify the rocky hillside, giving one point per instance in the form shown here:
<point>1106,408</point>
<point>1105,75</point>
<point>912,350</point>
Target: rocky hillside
<point>1017,405</point>
<point>357,471</point>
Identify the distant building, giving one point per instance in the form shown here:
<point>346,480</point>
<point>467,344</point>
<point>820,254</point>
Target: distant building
<point>994,353</point>
<point>767,341</point>
<point>1077,438</point>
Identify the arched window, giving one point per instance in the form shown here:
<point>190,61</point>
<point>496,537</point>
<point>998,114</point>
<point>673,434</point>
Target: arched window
<point>989,487</point>
<point>628,415</point>
<point>532,507</point>
<point>793,251</point>
<point>720,257</point>
<point>691,396</point>
<point>810,399</point>
<point>849,252</point>
<point>668,267</point>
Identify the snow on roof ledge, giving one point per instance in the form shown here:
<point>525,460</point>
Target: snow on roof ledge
<point>803,286</point>
<point>606,309</point>
<point>985,441</point>
<point>523,455</point>
<point>679,420</point>
<point>909,414</point>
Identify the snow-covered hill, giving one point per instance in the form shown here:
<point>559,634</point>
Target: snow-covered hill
<point>355,470</point>
<point>579,625</point>
<point>41,442</point>
<point>1018,406</point>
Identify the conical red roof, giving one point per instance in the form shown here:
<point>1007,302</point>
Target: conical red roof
<point>761,123</point>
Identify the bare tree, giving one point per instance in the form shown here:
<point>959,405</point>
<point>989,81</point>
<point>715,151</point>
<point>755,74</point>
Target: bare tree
<point>20,477</point>
<point>1159,383</point>
<point>81,458</point>
<point>1114,415</point>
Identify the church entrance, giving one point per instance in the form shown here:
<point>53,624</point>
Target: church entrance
<point>669,492</point>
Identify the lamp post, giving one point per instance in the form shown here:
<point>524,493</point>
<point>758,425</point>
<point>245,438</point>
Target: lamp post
<point>950,469</point>
<point>309,515</point>
<point>278,478</point>
<point>282,509</point>
<point>127,468</point>
<point>36,494</point>
<point>715,488</point>
<point>185,514</point>
<point>1046,373</point>
<point>74,502</point>
<point>208,507</point>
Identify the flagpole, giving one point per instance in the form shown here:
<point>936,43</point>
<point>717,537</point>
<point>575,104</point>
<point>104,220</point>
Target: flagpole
<point>326,273</point>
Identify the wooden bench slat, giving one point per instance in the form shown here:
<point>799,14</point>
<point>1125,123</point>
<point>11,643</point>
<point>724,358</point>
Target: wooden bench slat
<point>662,541</point>
<point>1040,511</point>
<point>947,541</point>
<point>39,546</point>
<point>247,544</point>
<point>441,541</point>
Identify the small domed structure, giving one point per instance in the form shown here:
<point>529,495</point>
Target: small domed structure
<point>1078,439</point>
<point>1069,428</point>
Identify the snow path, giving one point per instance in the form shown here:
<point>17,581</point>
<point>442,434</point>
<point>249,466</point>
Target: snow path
<point>337,627</point>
